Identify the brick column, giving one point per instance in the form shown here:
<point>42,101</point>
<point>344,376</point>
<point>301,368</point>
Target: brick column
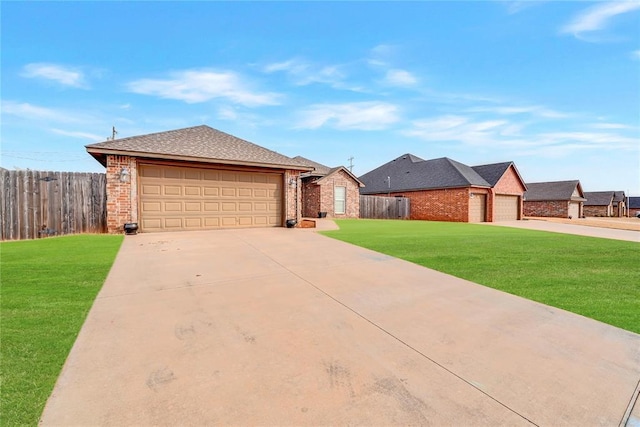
<point>122,203</point>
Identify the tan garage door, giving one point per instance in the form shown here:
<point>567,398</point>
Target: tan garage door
<point>183,198</point>
<point>477,207</point>
<point>506,208</point>
<point>574,210</point>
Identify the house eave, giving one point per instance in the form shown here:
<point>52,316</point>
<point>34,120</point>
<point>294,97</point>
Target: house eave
<point>100,156</point>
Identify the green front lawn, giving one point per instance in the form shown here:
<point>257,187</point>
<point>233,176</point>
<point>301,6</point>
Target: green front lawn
<point>598,278</point>
<point>48,287</point>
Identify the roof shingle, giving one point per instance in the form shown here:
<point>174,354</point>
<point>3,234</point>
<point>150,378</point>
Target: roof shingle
<point>409,172</point>
<point>198,143</point>
<point>556,190</point>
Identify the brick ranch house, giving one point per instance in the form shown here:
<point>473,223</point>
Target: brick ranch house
<point>330,192</point>
<point>197,178</point>
<point>605,203</point>
<point>634,206</point>
<point>558,199</point>
<point>445,190</point>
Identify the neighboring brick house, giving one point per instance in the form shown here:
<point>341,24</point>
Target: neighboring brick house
<point>634,206</point>
<point>558,199</point>
<point>605,203</point>
<point>330,192</point>
<point>445,190</point>
<point>197,178</point>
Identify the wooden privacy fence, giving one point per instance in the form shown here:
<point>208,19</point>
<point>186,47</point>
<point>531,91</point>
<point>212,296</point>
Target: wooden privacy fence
<point>37,204</point>
<point>381,207</point>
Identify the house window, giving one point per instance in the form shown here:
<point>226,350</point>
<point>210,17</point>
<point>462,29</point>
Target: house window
<point>339,200</point>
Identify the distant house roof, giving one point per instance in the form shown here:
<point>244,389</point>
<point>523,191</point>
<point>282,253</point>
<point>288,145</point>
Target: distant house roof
<point>556,190</point>
<point>322,172</point>
<point>598,198</point>
<point>198,143</point>
<point>410,173</point>
<point>634,203</point>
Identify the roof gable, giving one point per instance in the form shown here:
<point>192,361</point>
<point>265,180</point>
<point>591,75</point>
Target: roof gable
<point>336,170</point>
<point>492,173</point>
<point>409,172</point>
<point>556,190</point>
<point>198,143</point>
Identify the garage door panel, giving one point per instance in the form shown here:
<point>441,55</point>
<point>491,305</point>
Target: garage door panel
<point>211,206</point>
<point>211,191</point>
<point>173,223</point>
<point>172,173</point>
<point>193,191</point>
<point>174,198</point>
<point>151,189</point>
<point>172,190</point>
<point>172,207</point>
<point>210,222</point>
<point>193,223</point>
<point>228,192</point>
<point>193,207</point>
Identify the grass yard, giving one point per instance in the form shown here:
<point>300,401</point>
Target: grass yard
<point>597,278</point>
<point>48,287</point>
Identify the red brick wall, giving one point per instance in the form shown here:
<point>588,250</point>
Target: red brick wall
<point>509,183</point>
<point>451,204</point>
<point>596,210</point>
<point>554,208</point>
<point>310,198</point>
<point>122,201</point>
<point>633,211</point>
<point>339,179</point>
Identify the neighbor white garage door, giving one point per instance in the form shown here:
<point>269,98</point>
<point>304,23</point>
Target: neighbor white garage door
<point>477,207</point>
<point>185,198</point>
<point>574,210</point>
<point>506,207</point>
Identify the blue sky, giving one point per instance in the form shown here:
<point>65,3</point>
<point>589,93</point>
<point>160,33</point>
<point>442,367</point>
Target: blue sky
<point>552,86</point>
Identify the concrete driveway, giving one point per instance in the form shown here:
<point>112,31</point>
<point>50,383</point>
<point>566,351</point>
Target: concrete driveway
<point>288,327</point>
<point>577,229</point>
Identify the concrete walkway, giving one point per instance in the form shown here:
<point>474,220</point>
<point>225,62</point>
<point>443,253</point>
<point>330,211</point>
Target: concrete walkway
<point>288,327</point>
<point>581,230</point>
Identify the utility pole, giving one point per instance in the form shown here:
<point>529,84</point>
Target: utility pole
<point>114,132</point>
<point>350,164</point>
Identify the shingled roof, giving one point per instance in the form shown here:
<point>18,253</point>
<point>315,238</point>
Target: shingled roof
<point>198,143</point>
<point>598,198</point>
<point>556,190</point>
<point>319,169</point>
<point>493,172</point>
<point>411,173</point>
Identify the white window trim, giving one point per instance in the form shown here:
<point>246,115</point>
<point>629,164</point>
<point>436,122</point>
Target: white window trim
<point>335,200</point>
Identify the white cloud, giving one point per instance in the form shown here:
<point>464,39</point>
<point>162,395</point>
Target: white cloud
<point>636,55</point>
<point>36,113</point>
<point>356,115</point>
<point>195,86</point>
<point>66,76</point>
<point>398,77</point>
<point>610,126</point>
<point>459,128</point>
<point>510,137</point>
<point>598,17</point>
<point>304,73</point>
<point>79,134</point>
<point>527,109</point>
